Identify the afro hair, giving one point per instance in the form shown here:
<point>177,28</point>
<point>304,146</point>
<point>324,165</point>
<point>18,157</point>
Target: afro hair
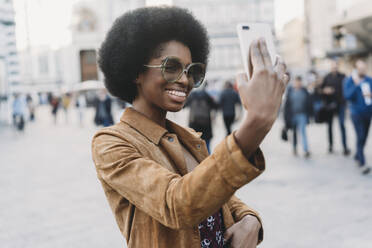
<point>135,38</point>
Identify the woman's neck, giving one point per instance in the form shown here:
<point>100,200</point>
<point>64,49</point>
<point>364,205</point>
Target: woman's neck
<point>152,112</point>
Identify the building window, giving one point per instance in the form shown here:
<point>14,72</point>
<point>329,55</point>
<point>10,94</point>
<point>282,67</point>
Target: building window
<point>88,65</point>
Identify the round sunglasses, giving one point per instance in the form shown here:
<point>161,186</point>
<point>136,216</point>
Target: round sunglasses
<point>172,70</point>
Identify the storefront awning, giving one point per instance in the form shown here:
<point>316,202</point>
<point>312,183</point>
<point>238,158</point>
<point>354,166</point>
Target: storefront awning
<point>338,52</point>
<point>361,28</point>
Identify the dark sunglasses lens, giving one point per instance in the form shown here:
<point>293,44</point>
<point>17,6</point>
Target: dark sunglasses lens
<point>172,70</point>
<point>196,74</point>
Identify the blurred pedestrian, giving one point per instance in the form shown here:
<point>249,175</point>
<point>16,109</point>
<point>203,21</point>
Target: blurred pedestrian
<point>163,186</point>
<point>19,107</point>
<point>81,104</point>
<point>297,111</point>
<point>55,102</point>
<point>31,107</point>
<point>66,101</point>
<point>201,105</point>
<point>357,90</point>
<point>314,88</point>
<point>228,100</point>
<point>103,114</point>
<point>332,92</point>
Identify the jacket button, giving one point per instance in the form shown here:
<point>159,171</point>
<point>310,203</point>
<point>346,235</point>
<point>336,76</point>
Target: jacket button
<point>170,139</point>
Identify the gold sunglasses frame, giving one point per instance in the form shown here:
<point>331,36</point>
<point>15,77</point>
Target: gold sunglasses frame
<point>185,70</point>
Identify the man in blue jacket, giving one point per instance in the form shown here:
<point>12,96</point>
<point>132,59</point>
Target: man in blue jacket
<point>357,90</point>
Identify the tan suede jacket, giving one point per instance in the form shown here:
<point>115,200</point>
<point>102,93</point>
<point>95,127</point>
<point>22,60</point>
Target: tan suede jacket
<point>155,201</point>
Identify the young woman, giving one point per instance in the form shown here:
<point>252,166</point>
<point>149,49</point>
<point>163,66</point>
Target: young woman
<point>164,189</point>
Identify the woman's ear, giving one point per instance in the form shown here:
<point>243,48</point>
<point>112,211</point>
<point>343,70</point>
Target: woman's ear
<point>139,79</point>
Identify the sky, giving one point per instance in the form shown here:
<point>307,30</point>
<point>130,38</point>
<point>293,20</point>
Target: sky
<point>49,20</point>
<point>286,10</point>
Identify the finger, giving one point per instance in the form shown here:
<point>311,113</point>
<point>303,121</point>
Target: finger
<point>249,241</point>
<point>256,56</point>
<point>281,67</point>
<point>241,78</point>
<point>228,234</point>
<point>276,60</point>
<point>250,65</point>
<point>265,53</point>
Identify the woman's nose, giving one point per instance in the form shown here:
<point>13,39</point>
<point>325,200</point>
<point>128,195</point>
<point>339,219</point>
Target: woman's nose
<point>184,80</point>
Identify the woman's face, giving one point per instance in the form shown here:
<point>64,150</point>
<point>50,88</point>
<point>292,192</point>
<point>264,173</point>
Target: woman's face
<point>156,93</point>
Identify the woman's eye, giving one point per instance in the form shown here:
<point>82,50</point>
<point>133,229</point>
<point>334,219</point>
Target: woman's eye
<point>171,68</point>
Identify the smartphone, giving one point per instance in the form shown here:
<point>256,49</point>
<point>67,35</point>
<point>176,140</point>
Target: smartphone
<point>247,33</point>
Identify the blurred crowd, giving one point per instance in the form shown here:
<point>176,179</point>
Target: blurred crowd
<point>323,99</point>
<point>313,99</point>
<point>24,107</point>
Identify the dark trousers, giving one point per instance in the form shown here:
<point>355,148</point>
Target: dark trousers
<point>228,120</point>
<point>341,122</point>
<point>361,125</point>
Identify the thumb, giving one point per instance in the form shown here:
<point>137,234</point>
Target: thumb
<point>228,233</point>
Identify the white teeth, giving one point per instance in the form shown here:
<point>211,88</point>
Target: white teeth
<point>176,93</point>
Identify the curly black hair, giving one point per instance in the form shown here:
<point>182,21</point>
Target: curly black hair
<point>137,36</point>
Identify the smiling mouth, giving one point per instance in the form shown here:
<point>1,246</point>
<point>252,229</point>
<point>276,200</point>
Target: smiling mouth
<point>177,95</point>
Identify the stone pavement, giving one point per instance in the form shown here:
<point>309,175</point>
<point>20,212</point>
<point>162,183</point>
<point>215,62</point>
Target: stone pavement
<point>50,196</point>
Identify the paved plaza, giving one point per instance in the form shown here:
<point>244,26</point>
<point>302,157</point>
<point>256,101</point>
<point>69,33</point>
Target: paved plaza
<point>51,198</point>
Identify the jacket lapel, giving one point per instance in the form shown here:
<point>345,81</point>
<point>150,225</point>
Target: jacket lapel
<point>191,140</point>
<point>173,148</point>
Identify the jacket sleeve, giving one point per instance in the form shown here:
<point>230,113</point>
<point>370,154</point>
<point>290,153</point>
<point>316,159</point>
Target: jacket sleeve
<point>350,89</point>
<point>239,209</point>
<point>173,200</point>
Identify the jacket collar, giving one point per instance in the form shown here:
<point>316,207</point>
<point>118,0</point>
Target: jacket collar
<point>152,130</point>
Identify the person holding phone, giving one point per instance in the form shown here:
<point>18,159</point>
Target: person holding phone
<point>357,90</point>
<point>163,187</point>
<point>331,92</point>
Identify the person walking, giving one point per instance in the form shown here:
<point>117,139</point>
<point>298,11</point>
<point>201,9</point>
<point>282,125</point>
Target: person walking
<point>297,110</point>
<point>55,102</point>
<point>31,107</point>
<point>332,93</point>
<point>228,100</point>
<point>357,90</point>
<point>19,107</point>
<point>81,104</point>
<point>103,114</point>
<point>66,101</point>
<point>201,104</point>
<point>163,186</point>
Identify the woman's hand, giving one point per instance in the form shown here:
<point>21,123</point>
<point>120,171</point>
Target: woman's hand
<point>243,234</point>
<point>261,96</point>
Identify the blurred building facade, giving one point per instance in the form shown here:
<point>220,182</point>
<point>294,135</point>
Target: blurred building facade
<point>220,18</point>
<point>76,62</point>
<point>319,18</point>
<point>292,46</point>
<point>351,34</point>
<point>56,70</point>
<point>334,29</point>
<point>9,63</point>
